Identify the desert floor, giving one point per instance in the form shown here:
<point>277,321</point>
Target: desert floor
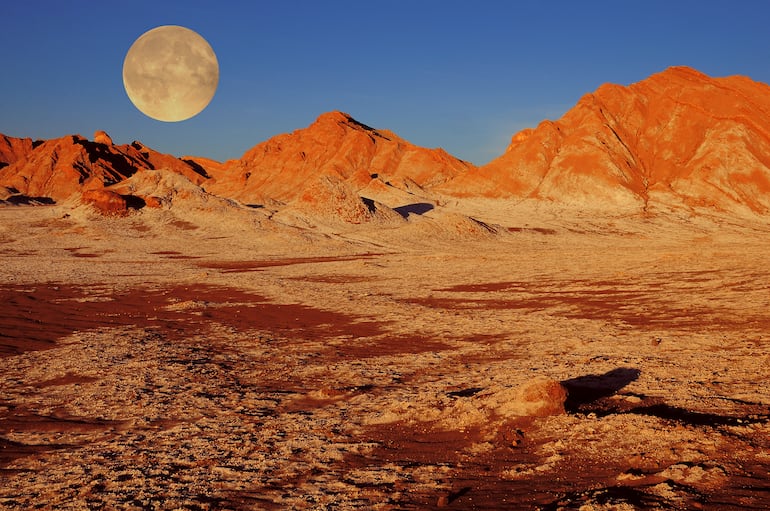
<point>169,361</point>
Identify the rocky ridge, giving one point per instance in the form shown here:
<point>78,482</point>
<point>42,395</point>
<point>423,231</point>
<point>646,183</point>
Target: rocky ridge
<point>676,140</point>
<point>73,166</point>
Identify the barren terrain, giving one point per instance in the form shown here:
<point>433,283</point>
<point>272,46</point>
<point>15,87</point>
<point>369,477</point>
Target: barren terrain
<point>171,361</point>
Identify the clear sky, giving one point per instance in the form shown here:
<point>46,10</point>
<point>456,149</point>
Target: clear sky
<point>462,75</point>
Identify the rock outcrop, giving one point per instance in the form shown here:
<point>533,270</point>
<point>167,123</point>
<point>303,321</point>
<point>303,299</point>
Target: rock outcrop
<point>105,201</point>
<point>678,137</point>
<point>13,149</point>
<point>101,137</point>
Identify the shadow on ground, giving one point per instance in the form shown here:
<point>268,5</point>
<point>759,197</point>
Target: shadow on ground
<point>584,391</point>
<point>418,208</point>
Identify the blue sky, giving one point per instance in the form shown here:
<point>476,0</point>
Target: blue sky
<point>460,75</point>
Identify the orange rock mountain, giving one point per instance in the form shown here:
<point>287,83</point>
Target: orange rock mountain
<point>676,139</point>
<point>60,168</point>
<point>337,145</point>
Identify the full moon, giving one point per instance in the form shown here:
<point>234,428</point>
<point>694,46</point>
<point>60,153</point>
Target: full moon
<point>170,73</point>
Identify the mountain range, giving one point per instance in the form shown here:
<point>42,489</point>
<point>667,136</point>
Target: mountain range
<point>676,140</point>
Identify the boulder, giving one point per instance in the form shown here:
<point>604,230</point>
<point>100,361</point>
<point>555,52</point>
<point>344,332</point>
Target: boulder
<point>101,137</point>
<point>540,397</point>
<point>106,202</point>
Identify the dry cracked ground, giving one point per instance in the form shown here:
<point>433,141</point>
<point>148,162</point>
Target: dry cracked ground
<point>159,363</point>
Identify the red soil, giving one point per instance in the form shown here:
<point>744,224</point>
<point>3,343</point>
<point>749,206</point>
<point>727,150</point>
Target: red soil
<point>34,318</point>
<point>642,307</point>
<point>37,317</point>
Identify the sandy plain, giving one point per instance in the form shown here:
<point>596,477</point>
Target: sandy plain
<point>181,360</point>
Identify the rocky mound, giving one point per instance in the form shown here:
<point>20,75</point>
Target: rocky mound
<point>163,196</point>
<point>162,188</point>
<point>678,137</point>
<point>331,200</point>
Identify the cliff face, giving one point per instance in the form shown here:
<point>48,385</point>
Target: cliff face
<point>676,137</point>
<point>336,145</point>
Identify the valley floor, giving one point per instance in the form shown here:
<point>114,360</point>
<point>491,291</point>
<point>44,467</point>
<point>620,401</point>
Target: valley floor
<point>155,362</point>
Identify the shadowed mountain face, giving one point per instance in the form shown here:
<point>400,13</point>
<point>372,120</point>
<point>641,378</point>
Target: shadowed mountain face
<point>677,139</point>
